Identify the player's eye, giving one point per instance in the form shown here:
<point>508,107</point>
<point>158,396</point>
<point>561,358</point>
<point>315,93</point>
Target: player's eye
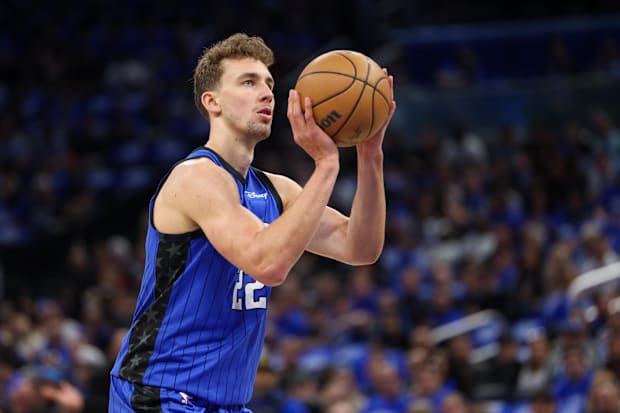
<point>248,82</point>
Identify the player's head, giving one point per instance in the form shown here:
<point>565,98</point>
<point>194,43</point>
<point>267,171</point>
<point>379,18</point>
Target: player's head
<point>209,69</point>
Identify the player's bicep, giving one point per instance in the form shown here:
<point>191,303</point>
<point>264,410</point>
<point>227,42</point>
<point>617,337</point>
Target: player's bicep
<point>330,237</point>
<point>211,200</point>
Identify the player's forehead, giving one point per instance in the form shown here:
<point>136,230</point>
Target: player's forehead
<point>234,69</point>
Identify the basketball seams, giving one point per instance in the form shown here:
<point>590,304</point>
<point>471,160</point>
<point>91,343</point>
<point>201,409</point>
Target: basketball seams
<point>360,106</point>
<point>359,97</point>
<point>349,86</point>
<point>376,88</point>
<point>369,63</point>
<point>353,80</point>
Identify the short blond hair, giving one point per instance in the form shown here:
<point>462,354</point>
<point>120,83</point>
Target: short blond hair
<point>208,71</point>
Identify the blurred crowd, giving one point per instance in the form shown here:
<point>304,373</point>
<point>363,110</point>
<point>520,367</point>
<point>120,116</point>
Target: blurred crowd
<point>472,226</point>
<point>99,106</point>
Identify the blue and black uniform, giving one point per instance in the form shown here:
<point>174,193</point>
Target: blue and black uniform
<point>198,329</point>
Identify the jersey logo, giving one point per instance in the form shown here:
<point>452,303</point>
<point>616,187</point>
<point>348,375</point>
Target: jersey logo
<point>253,195</point>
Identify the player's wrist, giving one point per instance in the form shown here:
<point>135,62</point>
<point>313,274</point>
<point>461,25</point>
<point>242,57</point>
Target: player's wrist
<point>370,153</point>
<point>329,164</point>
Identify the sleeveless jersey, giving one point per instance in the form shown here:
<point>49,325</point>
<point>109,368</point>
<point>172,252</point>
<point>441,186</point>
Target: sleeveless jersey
<point>199,322</point>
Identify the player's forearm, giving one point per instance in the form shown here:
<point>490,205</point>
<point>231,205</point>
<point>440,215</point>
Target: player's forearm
<point>366,227</point>
<point>284,241</point>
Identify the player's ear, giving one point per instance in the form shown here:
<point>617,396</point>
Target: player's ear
<point>210,102</point>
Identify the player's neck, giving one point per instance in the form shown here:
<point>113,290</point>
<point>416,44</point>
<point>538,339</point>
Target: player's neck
<point>237,153</point>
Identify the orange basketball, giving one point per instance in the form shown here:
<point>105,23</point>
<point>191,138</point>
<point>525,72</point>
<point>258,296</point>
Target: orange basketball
<point>350,95</point>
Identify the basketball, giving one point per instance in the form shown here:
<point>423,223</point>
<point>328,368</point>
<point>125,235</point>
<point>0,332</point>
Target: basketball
<point>350,95</point>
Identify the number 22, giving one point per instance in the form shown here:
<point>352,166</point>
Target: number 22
<point>251,303</point>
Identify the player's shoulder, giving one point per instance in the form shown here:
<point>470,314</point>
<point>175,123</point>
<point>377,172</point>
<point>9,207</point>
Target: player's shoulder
<point>286,186</point>
<point>191,168</point>
<point>198,172</point>
<point>279,179</point>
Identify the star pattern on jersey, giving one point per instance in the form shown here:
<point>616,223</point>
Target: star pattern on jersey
<point>133,367</point>
<point>151,317</point>
<point>170,264</point>
<point>171,256</point>
<point>143,339</point>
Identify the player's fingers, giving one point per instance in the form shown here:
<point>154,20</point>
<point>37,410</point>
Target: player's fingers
<point>308,115</point>
<point>294,109</point>
<point>289,109</point>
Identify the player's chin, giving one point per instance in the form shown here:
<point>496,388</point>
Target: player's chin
<point>260,131</point>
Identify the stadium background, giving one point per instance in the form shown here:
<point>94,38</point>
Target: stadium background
<point>501,174</point>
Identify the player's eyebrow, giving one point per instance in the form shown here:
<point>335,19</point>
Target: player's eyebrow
<point>256,76</point>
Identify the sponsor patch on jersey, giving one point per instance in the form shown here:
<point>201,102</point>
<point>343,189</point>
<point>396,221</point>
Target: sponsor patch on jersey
<point>252,194</point>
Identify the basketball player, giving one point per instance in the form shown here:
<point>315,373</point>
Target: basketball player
<point>221,234</point>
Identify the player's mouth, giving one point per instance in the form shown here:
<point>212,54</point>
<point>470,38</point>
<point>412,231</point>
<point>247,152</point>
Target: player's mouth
<point>265,113</point>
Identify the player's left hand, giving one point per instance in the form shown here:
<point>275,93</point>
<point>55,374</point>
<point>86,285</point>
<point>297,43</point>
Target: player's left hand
<point>374,142</point>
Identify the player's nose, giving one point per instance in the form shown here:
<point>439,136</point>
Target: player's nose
<point>266,93</point>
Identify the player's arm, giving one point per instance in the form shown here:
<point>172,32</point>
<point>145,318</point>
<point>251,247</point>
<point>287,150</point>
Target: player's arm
<point>359,238</point>
<point>365,230</point>
<point>199,193</point>
<point>203,193</point>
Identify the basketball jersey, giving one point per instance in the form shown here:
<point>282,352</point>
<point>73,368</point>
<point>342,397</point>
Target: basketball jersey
<point>199,322</point>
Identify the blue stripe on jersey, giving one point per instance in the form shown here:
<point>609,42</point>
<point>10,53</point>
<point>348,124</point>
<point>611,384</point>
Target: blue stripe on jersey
<point>199,323</point>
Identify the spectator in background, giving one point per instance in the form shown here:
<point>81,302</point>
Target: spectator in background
<point>390,330</point>
<point>536,374</point>
<point>597,249</point>
<point>559,271</point>
<point>268,395</point>
<point>301,392</point>
<point>572,334</point>
<point>499,375</point>
<point>9,365</point>
<point>65,398</point>
<point>363,287</point>
<point>340,388</point>
<point>342,407</point>
<point>530,285</point>
<point>455,403</point>
<point>570,390</point>
<point>460,364</point>
<point>431,385</point>
<point>477,290</point>
<point>442,307</point>
<point>86,391</point>
<point>287,352</point>
<point>412,307</point>
<point>606,136</point>
<point>289,315</point>
<point>24,395</point>
<point>463,148</point>
<point>604,394</point>
<point>55,352</point>
<point>542,402</point>
<point>612,351</point>
<point>387,395</point>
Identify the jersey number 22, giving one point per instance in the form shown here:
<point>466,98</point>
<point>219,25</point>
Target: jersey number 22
<point>249,294</point>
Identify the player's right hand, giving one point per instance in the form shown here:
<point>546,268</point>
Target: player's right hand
<point>306,133</point>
